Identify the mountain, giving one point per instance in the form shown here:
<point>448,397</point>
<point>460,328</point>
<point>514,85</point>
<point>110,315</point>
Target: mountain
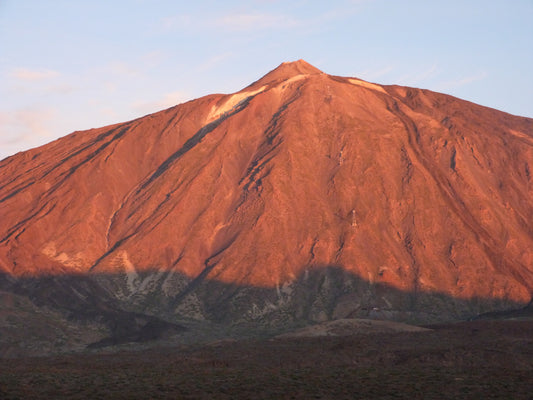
<point>303,197</point>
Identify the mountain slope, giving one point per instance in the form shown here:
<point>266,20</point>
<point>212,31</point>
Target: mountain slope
<point>303,191</point>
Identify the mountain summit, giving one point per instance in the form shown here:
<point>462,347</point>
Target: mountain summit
<point>289,70</point>
<point>302,197</point>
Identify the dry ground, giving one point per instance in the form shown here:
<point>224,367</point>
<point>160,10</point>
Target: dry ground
<point>468,360</point>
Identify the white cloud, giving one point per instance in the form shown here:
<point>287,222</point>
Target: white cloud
<point>171,23</point>
<point>231,22</point>
<point>418,78</point>
<point>256,21</point>
<point>60,89</point>
<point>26,74</point>
<point>248,22</point>
<point>212,62</point>
<point>166,101</point>
<point>153,58</point>
<point>33,82</point>
<point>123,69</point>
<point>452,84</point>
<point>24,128</point>
<point>32,121</point>
<point>372,75</point>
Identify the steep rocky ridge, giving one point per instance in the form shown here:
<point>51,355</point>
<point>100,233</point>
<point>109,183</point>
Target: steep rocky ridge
<point>403,200</point>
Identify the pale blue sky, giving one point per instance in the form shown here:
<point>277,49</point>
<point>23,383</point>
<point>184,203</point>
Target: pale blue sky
<point>72,65</point>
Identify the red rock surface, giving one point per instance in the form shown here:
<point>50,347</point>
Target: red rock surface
<point>406,187</point>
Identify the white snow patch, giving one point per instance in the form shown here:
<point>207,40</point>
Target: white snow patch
<point>132,277</point>
<point>521,135</point>
<point>367,85</point>
<point>73,261</point>
<point>231,103</point>
<point>295,78</point>
<point>281,86</point>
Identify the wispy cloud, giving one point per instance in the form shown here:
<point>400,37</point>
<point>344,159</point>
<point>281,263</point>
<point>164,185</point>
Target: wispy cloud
<point>256,21</point>
<point>172,22</point>
<point>25,128</point>
<point>28,121</point>
<point>168,100</point>
<point>27,74</point>
<point>418,77</point>
<point>116,76</point>
<point>212,62</point>
<point>153,58</point>
<point>123,69</point>
<point>372,75</point>
<point>455,83</point>
<point>60,89</point>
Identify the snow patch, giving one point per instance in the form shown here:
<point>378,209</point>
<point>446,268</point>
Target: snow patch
<point>281,86</point>
<point>132,277</point>
<point>521,135</point>
<point>367,85</point>
<point>232,102</point>
<point>295,78</point>
<point>72,261</point>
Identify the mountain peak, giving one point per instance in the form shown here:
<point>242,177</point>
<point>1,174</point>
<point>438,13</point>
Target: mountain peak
<point>287,70</point>
<point>298,67</point>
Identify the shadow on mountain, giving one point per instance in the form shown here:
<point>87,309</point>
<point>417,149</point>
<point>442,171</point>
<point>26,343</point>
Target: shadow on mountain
<point>330,292</point>
<point>81,300</point>
<point>149,311</point>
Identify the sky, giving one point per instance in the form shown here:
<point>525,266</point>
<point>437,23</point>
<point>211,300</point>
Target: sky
<point>73,65</point>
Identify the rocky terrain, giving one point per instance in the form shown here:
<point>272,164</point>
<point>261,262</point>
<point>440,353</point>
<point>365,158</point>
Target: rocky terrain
<point>302,198</point>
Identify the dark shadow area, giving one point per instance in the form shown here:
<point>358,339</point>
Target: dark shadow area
<point>520,313</point>
<point>330,292</point>
<point>82,300</point>
<point>321,293</point>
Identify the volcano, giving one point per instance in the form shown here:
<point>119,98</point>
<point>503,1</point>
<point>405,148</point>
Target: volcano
<point>302,197</point>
